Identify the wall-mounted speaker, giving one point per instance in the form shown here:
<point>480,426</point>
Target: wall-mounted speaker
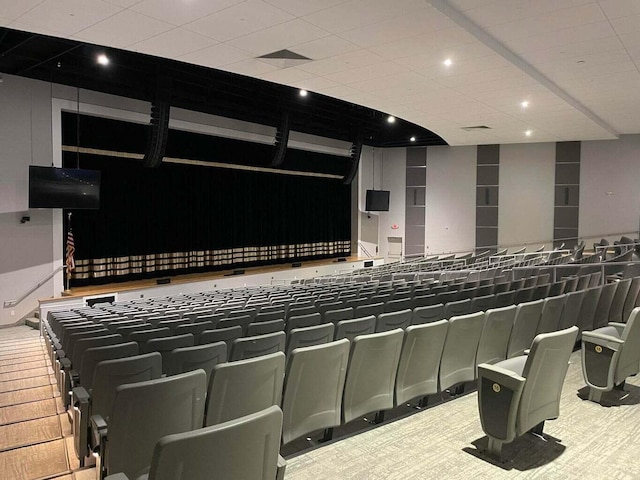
<point>356,150</point>
<point>282,139</point>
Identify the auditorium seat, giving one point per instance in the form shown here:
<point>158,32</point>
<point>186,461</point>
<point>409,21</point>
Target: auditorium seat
<point>419,362</point>
<point>541,292</point>
<point>632,298</point>
<point>127,330</point>
<point>422,300</point>
<point>498,323</point>
<point>374,309</point>
<point>571,284</point>
<point>455,309</point>
<point>108,375</point>
<point>619,298</point>
<point>601,316</point>
<point>301,321</point>
<point>195,328</point>
<point>187,359</point>
<point>371,374</point>
<point>525,327</point>
<point>244,387</point>
<point>392,320</point>
<point>551,314</point>
<point>227,335</point>
<point>519,394</point>
<point>308,336</point>
<point>313,389</point>
<point>428,314</point>
<point>166,345</point>
<point>261,328</point>
<point>458,364</point>
<point>482,304</point>
<point>588,308</point>
<point>255,346</point>
<point>266,316</point>
<point>141,337</point>
<point>611,354</point>
<point>241,321</point>
<point>94,355</point>
<point>142,414</point>
<point>557,288</point>
<point>397,304</point>
<point>350,329</point>
<point>524,295</point>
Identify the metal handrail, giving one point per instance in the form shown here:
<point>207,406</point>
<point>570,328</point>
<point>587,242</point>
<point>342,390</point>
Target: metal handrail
<point>13,303</point>
<point>366,252</point>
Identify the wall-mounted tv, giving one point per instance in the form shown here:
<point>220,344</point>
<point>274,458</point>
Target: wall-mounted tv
<point>377,201</point>
<point>73,188</point>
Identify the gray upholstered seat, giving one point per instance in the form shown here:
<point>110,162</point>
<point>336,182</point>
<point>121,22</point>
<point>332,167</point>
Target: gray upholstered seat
<point>519,394</point>
<point>617,305</point>
<point>350,329</point>
<point>374,309</point>
<point>458,364</point>
<point>334,316</point>
<point>244,387</point>
<point>498,323</point>
<point>242,321</point>
<point>166,345</point>
<point>255,346</point>
<point>432,313</point>
<point>127,330</point>
<point>94,355</point>
<point>187,359</point>
<point>601,317</point>
<point>571,310</point>
<point>307,336</point>
<point>524,327</point>
<point>141,337</point>
<point>588,308</point>
<point>227,335</point>
<point>504,299</point>
<point>551,314</point>
<point>482,304</point>
<point>371,374</point>
<point>244,448</point>
<point>393,320</point>
<point>195,328</point>
<point>108,375</point>
<point>632,298</point>
<point>262,328</point>
<point>142,414</point>
<point>420,361</point>
<point>398,304</point>
<point>301,321</point>
<point>611,354</point>
<point>313,388</point>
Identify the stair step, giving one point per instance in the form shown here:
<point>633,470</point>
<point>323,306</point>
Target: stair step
<point>36,314</point>
<point>33,322</point>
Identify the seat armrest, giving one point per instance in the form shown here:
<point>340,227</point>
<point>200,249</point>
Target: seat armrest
<point>98,429</point>
<point>74,377</point>
<point>501,375</point>
<point>59,351</point>
<point>282,465</point>
<point>618,326</point>
<point>80,395</point>
<point>116,476</point>
<point>607,341</point>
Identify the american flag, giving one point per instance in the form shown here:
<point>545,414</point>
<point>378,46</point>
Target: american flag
<point>71,249</point>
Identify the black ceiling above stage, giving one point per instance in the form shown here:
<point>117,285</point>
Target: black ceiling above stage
<point>208,90</point>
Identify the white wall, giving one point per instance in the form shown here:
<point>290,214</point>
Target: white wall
<point>609,188</point>
<point>451,199</point>
<point>393,177</point>
<point>526,194</point>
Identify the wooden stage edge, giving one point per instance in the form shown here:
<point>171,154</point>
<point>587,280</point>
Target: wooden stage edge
<point>198,277</point>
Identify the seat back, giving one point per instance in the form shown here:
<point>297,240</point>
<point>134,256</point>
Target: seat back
<point>505,299</point>
<point>89,342</point>
<point>350,329</point>
<point>371,374</point>
<point>498,323</point>
<point>420,361</point>
<point>205,357</point>
<point>571,310</point>
<point>127,330</point>
<point>629,359</point>
<point>601,317</point>
<point>110,374</point>
<point>374,309</point>
<point>432,313</point>
<point>244,387</point>
<point>632,298</point>
<point>524,327</point>
<point>398,304</point>
<point>588,308</point>
<point>301,321</point>
<point>262,328</point>
<point>94,355</point>
<point>242,321</point>
<point>245,448</point>
<point>145,412</point>
<point>617,304</point>
<point>195,328</point>
<point>392,320</point>
<point>557,288</point>
<point>541,291</point>
<point>545,371</point>
<point>334,316</point>
<point>482,304</point>
<point>571,284</point>
<point>307,336</point>
<point>141,337</point>
<point>250,347</point>
<point>458,362</point>
<point>227,335</point>
<point>166,345</point>
<point>313,388</point>
<point>551,314</point>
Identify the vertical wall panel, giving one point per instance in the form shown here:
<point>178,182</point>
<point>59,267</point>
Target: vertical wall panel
<point>415,200</point>
<point>487,194</point>
<point>567,194</point>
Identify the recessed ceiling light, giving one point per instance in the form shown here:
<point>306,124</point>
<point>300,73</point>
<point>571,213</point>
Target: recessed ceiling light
<point>303,93</point>
<point>412,139</point>
<point>103,59</point>
<point>448,62</point>
<point>524,104</point>
<point>391,119</point>
<point>528,133</point>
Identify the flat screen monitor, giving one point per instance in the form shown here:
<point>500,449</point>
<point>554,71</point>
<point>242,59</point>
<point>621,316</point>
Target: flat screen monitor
<point>377,201</point>
<point>74,188</point>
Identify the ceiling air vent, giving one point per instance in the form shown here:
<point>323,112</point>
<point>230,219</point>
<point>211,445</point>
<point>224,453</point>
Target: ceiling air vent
<point>284,58</point>
<point>476,127</point>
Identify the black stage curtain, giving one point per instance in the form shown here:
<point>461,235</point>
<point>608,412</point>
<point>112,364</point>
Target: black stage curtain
<point>186,208</point>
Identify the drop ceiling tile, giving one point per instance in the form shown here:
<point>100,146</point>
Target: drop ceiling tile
<point>28,27</point>
<point>250,67</point>
<point>279,37</point>
<point>619,8</point>
<point>123,29</point>
<point>359,13</point>
<point>325,47</point>
<point>631,40</point>
<point>123,3</point>
<point>69,16</point>
<point>340,91</point>
<point>287,76</point>
<point>316,84</point>
<point>173,44</point>
<point>339,63</point>
<point>628,24</point>
<point>4,21</point>
<point>13,10</point>
<point>300,8</point>
<point>181,12</point>
<point>559,38</point>
<point>376,70</point>
<point>399,81</point>
<point>216,56</point>
<point>238,20</point>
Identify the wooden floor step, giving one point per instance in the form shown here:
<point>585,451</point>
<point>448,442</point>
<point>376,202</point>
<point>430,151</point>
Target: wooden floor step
<point>33,322</point>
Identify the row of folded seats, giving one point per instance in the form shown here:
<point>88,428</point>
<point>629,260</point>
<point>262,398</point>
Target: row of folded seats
<point>426,357</point>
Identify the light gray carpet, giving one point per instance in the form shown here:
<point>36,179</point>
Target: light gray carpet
<point>588,441</point>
